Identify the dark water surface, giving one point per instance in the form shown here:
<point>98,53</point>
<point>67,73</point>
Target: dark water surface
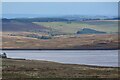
<point>87,57</point>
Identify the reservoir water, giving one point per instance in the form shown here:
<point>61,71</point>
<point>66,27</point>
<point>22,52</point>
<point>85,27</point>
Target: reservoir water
<point>86,57</point>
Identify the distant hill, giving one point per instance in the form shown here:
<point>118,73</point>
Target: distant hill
<point>90,31</point>
<point>14,25</point>
<point>86,17</point>
<point>36,19</point>
<point>26,24</point>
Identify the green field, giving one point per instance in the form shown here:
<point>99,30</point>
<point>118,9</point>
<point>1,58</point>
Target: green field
<point>73,27</point>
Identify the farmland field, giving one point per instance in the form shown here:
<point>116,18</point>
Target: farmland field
<point>73,27</point>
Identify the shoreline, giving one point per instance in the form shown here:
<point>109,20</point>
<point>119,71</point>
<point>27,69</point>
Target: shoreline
<point>85,60</point>
<point>47,69</point>
<point>97,66</point>
<point>60,49</point>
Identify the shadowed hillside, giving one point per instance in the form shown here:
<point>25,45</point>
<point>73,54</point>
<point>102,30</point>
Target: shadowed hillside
<point>12,25</point>
<point>90,31</point>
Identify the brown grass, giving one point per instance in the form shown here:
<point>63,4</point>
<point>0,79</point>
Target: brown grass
<point>44,69</point>
<point>83,41</point>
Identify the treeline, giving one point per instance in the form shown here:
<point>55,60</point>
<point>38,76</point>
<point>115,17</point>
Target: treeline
<point>53,19</point>
<point>35,19</point>
<point>39,37</point>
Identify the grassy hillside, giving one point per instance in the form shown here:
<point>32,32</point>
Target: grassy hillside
<point>58,25</point>
<point>73,27</point>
